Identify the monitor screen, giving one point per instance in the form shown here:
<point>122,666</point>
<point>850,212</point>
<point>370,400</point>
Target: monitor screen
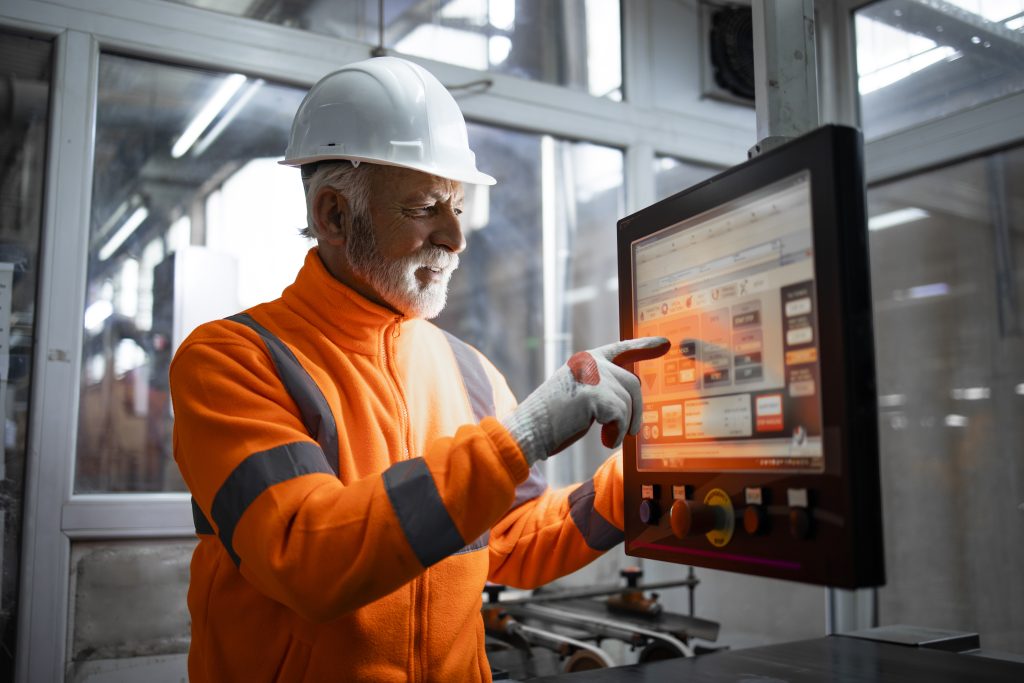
<point>733,290</point>
<point>758,448</point>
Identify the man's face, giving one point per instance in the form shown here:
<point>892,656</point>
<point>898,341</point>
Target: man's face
<point>407,247</point>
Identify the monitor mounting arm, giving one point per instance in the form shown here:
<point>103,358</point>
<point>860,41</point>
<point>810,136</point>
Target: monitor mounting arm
<point>785,71</point>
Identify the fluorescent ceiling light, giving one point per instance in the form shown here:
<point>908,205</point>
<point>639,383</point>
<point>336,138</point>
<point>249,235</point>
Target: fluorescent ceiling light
<point>1015,24</point>
<point>114,219</point>
<point>502,14</point>
<point>207,114</point>
<point>581,295</point>
<point>921,291</point>
<point>898,217</point>
<point>891,400</point>
<point>228,117</point>
<point>955,421</point>
<point>928,291</point>
<point>971,393</point>
<point>498,49</point>
<point>123,233</point>
<point>97,313</point>
<point>1020,389</point>
<point>893,73</point>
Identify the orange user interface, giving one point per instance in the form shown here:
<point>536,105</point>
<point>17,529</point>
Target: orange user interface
<point>733,290</point>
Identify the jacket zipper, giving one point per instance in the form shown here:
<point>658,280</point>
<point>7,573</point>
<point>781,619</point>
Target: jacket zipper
<point>394,331</point>
<point>416,665</point>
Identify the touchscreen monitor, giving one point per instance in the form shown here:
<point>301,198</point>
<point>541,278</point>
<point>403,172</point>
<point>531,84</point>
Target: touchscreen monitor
<point>733,288</point>
<point>758,448</point>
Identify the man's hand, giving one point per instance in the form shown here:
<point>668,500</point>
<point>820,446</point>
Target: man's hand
<point>590,387</point>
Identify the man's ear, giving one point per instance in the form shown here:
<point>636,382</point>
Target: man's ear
<point>331,216</point>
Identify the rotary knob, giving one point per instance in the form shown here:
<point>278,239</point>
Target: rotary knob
<point>714,518</point>
<point>689,518</point>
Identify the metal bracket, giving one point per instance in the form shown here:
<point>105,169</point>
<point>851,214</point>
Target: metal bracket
<point>785,72</point>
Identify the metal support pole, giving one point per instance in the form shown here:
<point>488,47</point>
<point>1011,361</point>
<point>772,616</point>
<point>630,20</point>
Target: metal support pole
<point>785,71</point>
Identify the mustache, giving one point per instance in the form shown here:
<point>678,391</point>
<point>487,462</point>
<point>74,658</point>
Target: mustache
<point>436,257</point>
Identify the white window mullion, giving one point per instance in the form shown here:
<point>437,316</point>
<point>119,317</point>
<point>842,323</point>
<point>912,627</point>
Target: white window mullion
<point>128,515</point>
<point>45,554</point>
<point>942,141</point>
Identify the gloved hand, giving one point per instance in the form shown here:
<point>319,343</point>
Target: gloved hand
<point>591,386</point>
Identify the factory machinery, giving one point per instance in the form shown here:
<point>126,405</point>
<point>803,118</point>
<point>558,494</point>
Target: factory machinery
<point>553,631</point>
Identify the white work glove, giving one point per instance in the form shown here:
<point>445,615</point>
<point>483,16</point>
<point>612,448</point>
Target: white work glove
<point>590,387</point>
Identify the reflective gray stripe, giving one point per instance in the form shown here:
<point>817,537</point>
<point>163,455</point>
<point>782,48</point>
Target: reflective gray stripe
<point>203,525</point>
<point>478,386</point>
<point>533,487</point>
<point>481,400</point>
<point>256,474</point>
<point>478,544</point>
<point>597,531</point>
<point>316,414</point>
<point>425,520</point>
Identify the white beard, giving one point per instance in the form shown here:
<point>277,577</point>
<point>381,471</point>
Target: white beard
<point>395,281</point>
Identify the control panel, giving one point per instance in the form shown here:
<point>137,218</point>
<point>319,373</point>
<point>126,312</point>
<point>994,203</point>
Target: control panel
<point>758,451</point>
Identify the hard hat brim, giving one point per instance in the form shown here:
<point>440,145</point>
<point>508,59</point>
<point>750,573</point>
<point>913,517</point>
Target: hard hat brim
<point>471,176</point>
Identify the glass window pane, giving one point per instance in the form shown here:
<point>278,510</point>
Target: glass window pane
<point>552,215</point>
<point>25,93</point>
<point>575,43</point>
<point>587,284</point>
<point>495,300</point>
<point>192,219</point>
<point>947,250</point>
<point>128,603</point>
<point>919,61</point>
<point>673,175</point>
<point>352,19</point>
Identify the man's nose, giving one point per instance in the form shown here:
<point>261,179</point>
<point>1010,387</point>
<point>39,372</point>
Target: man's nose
<point>448,233</point>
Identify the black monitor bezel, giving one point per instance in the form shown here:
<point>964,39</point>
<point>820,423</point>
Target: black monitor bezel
<point>849,485</point>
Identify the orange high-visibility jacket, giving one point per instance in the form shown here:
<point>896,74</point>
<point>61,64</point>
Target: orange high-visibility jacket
<point>348,520</point>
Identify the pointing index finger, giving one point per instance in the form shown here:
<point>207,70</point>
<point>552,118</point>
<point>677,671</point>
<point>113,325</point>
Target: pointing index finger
<point>632,350</point>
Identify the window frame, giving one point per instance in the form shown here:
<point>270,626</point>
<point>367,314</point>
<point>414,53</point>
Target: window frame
<point>183,35</point>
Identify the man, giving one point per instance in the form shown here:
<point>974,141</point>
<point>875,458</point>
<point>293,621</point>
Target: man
<point>353,484</point>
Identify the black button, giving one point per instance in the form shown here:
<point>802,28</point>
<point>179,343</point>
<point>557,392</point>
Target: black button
<point>799,523</point>
<point>650,513</point>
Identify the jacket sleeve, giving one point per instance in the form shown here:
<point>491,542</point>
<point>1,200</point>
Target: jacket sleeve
<point>550,533</point>
<point>292,528</point>
<point>559,531</point>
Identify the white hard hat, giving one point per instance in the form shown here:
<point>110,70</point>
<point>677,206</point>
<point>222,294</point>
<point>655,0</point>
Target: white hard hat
<point>388,111</point>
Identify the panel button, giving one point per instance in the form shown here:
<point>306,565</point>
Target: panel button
<point>688,518</point>
<point>714,518</point>
<point>755,520</point>
<point>650,512</point>
<point>799,523</point>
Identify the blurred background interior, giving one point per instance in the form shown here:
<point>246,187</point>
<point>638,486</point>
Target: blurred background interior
<point>140,195</point>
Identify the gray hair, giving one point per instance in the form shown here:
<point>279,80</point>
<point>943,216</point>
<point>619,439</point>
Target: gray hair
<point>350,180</point>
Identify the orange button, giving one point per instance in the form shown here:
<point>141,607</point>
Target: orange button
<point>802,356</point>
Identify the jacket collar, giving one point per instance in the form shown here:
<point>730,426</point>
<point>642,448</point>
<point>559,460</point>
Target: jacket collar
<point>344,316</point>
